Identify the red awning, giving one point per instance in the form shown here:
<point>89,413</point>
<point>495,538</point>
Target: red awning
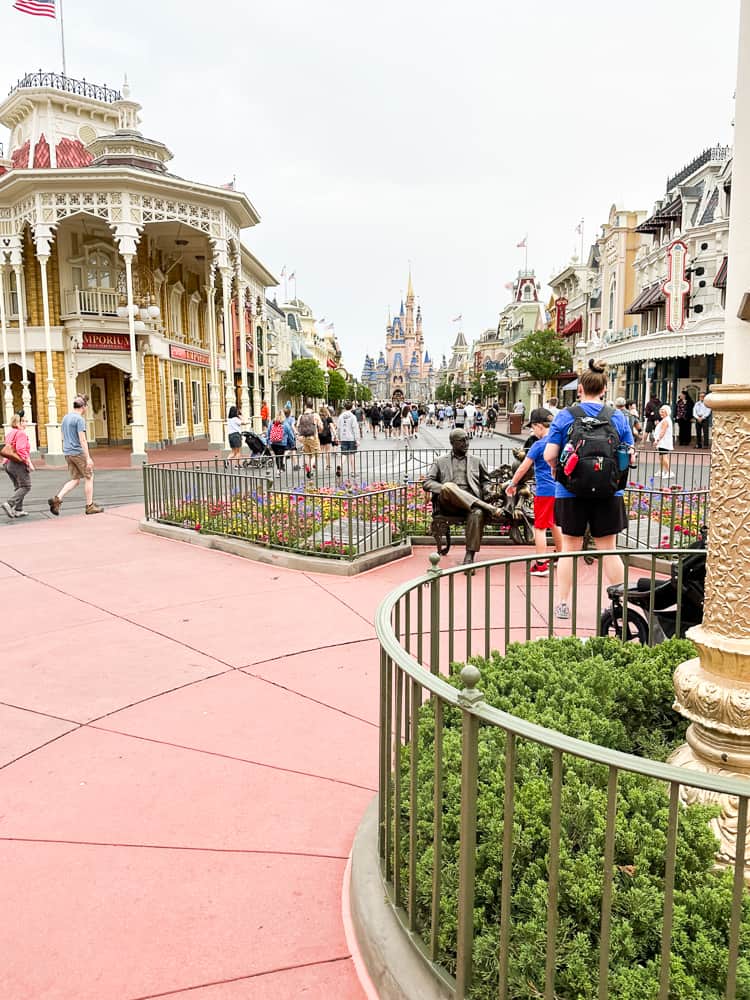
<point>720,281</point>
<point>575,326</point>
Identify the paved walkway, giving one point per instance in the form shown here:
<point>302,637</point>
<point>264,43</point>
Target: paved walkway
<point>188,741</point>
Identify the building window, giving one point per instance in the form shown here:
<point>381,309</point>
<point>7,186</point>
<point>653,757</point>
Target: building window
<point>10,290</point>
<point>197,398</point>
<point>175,310</point>
<point>194,332</point>
<point>178,391</point>
<point>612,300</point>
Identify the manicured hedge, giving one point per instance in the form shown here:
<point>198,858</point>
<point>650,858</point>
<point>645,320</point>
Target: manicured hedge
<point>618,696</point>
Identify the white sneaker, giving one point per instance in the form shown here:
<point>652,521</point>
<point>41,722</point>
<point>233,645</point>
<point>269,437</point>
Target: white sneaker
<point>562,610</point>
<point>8,509</point>
<point>20,513</point>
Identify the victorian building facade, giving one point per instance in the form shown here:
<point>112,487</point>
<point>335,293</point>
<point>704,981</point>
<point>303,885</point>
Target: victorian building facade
<point>119,279</point>
<point>404,371</point>
<point>671,336</point>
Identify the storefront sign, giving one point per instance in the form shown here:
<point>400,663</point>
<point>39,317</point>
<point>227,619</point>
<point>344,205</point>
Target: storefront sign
<point>561,308</point>
<point>189,355</point>
<point>105,342</point>
<point>495,366</point>
<point>676,287</point>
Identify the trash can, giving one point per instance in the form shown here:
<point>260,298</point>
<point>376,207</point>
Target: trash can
<point>515,422</point>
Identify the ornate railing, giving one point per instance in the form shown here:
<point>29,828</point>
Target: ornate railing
<point>91,302</point>
<point>56,81</point>
<point>446,617</point>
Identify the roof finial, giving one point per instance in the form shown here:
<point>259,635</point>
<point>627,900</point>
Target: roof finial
<point>410,287</point>
<point>126,88</point>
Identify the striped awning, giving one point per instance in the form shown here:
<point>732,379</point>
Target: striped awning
<point>720,281</point>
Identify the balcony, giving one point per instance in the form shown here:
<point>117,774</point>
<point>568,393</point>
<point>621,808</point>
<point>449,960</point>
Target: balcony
<point>57,81</point>
<point>91,302</point>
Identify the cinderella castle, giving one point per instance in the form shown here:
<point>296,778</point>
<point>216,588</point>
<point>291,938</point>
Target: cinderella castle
<point>404,371</point>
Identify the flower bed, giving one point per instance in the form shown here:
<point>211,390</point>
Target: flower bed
<point>678,514</point>
<point>323,520</point>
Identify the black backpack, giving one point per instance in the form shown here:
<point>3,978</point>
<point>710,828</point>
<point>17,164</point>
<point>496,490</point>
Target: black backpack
<point>595,441</point>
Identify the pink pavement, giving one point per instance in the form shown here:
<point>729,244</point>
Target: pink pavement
<point>188,741</point>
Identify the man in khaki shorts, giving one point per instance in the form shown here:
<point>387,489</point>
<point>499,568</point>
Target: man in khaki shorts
<point>76,451</point>
<point>309,426</point>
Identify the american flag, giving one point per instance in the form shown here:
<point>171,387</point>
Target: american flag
<point>39,8</point>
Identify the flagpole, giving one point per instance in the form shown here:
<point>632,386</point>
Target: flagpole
<point>582,240</point>
<point>62,38</point>
<point>526,253</point>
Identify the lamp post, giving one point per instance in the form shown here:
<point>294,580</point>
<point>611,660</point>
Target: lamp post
<point>272,357</point>
<point>327,377</point>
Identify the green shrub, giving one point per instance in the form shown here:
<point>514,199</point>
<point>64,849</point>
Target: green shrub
<point>618,696</point>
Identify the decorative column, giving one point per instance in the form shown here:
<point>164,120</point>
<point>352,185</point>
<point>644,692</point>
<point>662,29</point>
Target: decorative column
<point>127,237</point>
<point>242,337</point>
<point>16,259</point>
<point>230,395</point>
<point>257,422</point>
<point>7,391</point>
<point>215,426</point>
<point>43,236</point>
<point>713,690</point>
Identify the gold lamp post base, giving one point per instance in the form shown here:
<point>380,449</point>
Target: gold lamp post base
<point>713,690</point>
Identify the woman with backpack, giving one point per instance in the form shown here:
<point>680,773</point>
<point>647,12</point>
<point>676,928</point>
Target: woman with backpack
<point>280,439</point>
<point>583,451</point>
<point>327,436</point>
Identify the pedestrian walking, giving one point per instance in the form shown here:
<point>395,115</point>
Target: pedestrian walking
<point>490,419</point>
<point>664,441</point>
<point>16,453</point>
<point>349,434</point>
<point>583,451</point>
<point>280,439</point>
<point>460,416</point>
<point>376,417</point>
<point>234,432</point>
<point>469,414</point>
<point>309,427</point>
<point>77,457</point>
<point>544,494</point>
<point>702,416</point>
<point>407,421</point>
<point>359,413</point>
<point>388,413</point>
<point>684,417</point>
<point>327,435</point>
<point>264,414</point>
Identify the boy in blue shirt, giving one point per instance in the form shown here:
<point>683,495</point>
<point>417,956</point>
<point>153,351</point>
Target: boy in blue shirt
<point>544,499</point>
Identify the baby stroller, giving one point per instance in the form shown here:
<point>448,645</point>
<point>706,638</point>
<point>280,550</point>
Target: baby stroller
<point>261,456</point>
<point>689,582</point>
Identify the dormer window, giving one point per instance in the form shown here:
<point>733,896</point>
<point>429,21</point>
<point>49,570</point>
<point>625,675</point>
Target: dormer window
<point>527,292</point>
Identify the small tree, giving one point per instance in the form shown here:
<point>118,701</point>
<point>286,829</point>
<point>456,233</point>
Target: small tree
<point>443,392</point>
<point>542,355</point>
<point>304,379</point>
<point>356,390</point>
<point>337,387</point>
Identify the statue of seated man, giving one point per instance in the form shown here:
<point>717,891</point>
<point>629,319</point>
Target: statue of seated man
<point>459,480</point>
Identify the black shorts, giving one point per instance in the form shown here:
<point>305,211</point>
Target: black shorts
<point>605,516</point>
<point>235,440</point>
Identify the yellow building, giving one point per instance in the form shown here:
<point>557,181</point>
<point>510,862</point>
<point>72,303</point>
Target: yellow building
<point>119,279</point>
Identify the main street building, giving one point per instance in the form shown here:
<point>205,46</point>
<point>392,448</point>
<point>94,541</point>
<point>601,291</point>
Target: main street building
<point>119,279</point>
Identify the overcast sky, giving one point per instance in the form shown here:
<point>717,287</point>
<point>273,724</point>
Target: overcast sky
<point>370,135</point>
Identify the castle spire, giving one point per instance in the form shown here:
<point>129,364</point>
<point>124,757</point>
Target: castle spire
<point>410,287</point>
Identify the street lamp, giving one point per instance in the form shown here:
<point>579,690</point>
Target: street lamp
<point>326,376</point>
<point>272,357</point>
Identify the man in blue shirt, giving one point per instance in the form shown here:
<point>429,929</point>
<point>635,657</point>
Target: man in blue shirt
<point>604,516</point>
<point>544,498</point>
<point>77,457</point>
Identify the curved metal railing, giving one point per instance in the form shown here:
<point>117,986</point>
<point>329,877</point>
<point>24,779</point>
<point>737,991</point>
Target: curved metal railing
<point>57,81</point>
<point>447,616</point>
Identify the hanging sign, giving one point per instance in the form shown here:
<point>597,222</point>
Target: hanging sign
<point>561,307</point>
<point>677,286</point>
<point>189,355</point>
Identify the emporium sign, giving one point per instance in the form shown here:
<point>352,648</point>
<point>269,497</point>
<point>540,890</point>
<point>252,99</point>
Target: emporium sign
<point>561,307</point>
<point>189,355</point>
<point>105,342</point>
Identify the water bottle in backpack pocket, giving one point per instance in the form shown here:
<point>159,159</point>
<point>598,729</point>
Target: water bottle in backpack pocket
<point>592,468</point>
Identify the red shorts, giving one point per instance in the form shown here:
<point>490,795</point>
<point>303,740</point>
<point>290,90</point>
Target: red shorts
<point>544,512</point>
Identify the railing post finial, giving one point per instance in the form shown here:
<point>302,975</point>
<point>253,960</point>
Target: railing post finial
<point>434,563</point>
<point>470,694</point>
